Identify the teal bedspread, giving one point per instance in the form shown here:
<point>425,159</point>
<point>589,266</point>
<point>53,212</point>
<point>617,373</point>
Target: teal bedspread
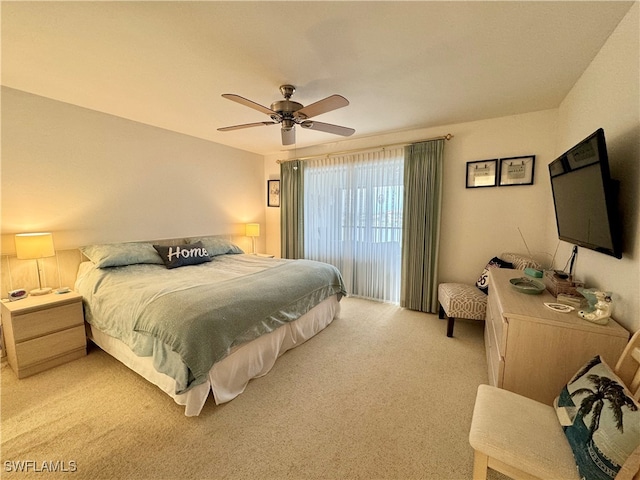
<point>192,318</point>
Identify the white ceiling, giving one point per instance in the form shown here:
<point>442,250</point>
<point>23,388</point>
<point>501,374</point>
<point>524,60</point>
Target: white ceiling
<point>402,65</point>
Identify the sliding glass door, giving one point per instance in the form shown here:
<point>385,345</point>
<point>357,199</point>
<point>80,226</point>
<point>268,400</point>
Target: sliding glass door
<point>353,208</point>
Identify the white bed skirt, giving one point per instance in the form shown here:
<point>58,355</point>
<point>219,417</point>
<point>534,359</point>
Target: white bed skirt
<point>229,377</point>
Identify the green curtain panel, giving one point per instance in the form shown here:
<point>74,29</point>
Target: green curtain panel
<point>421,225</point>
<point>292,209</point>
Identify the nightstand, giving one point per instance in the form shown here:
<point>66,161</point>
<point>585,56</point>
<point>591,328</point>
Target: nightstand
<point>41,332</point>
<point>264,255</point>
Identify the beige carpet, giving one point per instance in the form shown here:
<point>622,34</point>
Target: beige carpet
<point>382,393</point>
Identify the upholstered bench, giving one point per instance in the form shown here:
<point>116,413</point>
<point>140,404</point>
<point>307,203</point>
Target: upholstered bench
<point>461,300</point>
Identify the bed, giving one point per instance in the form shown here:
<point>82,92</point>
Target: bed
<point>201,316</point>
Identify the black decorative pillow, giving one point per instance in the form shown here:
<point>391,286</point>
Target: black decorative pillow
<point>483,281</point>
<point>175,256</point>
<point>601,421</point>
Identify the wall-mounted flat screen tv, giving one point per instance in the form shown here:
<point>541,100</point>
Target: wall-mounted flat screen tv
<point>585,197</point>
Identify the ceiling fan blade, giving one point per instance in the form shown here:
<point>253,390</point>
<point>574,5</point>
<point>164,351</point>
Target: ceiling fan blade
<point>328,128</point>
<point>248,103</point>
<point>322,106</point>
<point>288,136</point>
<point>246,125</point>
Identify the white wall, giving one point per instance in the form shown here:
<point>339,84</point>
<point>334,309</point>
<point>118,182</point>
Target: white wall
<point>477,223</point>
<point>90,177</point>
<point>608,95</point>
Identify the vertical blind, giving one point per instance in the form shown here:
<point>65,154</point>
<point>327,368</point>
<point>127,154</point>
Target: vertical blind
<point>353,208</point>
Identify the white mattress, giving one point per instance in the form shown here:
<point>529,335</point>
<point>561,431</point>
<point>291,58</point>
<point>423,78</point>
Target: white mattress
<point>228,378</point>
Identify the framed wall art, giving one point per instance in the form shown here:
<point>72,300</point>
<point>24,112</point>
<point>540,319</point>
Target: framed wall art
<point>273,193</point>
<point>517,170</point>
<point>482,173</point>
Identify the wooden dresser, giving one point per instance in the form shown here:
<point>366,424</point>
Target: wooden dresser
<point>41,332</point>
<point>534,351</point>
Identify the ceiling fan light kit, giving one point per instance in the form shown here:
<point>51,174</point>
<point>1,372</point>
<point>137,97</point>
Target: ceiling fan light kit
<point>288,114</point>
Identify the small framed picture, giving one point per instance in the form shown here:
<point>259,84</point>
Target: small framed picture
<point>517,170</point>
<point>482,173</point>
<point>273,193</point>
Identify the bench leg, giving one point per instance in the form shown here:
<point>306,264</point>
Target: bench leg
<point>480,465</point>
<point>450,320</point>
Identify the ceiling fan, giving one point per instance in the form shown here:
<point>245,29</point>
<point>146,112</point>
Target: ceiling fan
<point>290,113</point>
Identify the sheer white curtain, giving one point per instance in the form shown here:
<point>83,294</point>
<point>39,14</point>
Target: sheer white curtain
<point>353,219</point>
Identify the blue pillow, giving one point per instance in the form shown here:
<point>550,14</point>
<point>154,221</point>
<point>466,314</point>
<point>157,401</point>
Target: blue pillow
<point>121,254</point>
<point>216,245</point>
<point>175,256</point>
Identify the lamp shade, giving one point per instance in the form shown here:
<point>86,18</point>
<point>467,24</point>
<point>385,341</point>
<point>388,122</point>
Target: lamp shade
<point>31,246</point>
<point>252,230</point>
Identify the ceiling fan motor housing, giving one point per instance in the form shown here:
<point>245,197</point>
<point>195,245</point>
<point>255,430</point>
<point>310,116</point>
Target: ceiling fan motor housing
<point>287,108</point>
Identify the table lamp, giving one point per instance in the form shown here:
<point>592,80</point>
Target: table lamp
<point>34,246</point>
<point>252,230</point>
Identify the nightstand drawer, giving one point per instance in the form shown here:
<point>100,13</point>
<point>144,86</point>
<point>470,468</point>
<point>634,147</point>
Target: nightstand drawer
<point>41,322</point>
<point>49,346</point>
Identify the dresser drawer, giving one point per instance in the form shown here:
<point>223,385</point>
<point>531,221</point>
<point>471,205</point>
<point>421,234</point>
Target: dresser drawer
<point>41,322</point>
<point>498,325</point>
<point>50,346</point>
<point>495,361</point>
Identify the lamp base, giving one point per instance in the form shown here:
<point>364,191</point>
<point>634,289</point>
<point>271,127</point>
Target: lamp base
<point>40,291</point>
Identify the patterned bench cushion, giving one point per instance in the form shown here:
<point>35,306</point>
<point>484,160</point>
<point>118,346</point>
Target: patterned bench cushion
<point>460,300</point>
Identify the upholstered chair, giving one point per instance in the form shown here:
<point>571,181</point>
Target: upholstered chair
<point>526,440</point>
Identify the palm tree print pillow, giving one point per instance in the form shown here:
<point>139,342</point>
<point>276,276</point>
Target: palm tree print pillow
<point>601,421</point>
